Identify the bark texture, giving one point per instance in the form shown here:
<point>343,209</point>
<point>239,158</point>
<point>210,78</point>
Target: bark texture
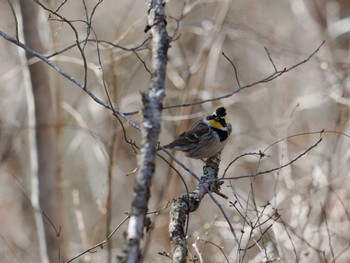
<point>186,204</point>
<point>150,129</point>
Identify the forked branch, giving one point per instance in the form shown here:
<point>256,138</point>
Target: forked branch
<point>186,204</point>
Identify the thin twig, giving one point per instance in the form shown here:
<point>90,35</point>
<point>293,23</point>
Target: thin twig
<point>346,247</point>
<point>234,68</point>
<point>234,160</point>
<point>60,5</point>
<point>291,229</point>
<point>142,61</point>
<point>57,231</point>
<point>342,204</point>
<point>291,241</point>
<point>63,19</point>
<point>136,48</point>
<point>228,220</point>
<point>328,232</point>
<point>67,76</point>
<point>180,163</point>
<point>273,63</point>
<point>215,245</point>
<point>279,167</point>
<point>269,78</point>
<point>102,242</point>
<point>293,136</point>
<point>15,17</point>
<point>109,236</point>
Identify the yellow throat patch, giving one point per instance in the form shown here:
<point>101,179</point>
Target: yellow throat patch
<point>215,124</point>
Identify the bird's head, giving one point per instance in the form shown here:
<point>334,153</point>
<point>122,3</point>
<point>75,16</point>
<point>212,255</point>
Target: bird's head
<point>218,118</point>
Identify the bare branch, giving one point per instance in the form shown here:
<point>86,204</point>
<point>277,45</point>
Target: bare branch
<point>279,167</point>
<point>69,77</point>
<point>346,247</point>
<point>328,232</point>
<point>152,108</point>
<point>290,239</point>
<point>292,230</point>
<point>180,163</point>
<point>228,222</point>
<point>269,78</point>
<point>234,68</point>
<point>57,231</point>
<point>110,235</point>
<point>215,245</point>
<point>139,47</point>
<point>187,204</point>
<point>142,61</point>
<point>63,19</point>
<point>101,243</point>
<point>269,55</point>
<point>15,17</point>
<point>234,160</point>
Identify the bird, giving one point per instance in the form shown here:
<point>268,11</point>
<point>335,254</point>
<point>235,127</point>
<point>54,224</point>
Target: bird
<point>204,138</point>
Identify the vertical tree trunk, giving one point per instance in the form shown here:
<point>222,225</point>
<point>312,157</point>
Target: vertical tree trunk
<point>50,198</point>
<point>150,130</point>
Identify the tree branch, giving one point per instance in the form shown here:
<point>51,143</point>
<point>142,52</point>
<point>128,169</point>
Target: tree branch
<point>188,203</point>
<point>274,75</point>
<point>67,76</point>
<point>151,124</point>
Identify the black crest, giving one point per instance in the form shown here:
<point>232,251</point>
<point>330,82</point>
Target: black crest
<point>221,112</point>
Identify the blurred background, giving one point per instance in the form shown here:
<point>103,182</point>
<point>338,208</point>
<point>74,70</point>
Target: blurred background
<point>87,169</point>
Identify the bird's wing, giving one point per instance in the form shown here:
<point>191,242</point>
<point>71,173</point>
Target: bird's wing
<point>192,135</point>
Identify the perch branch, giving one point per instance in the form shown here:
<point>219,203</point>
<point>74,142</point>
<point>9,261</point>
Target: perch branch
<point>188,203</point>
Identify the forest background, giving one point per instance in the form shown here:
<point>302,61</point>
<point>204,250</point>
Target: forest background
<point>289,204</point>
